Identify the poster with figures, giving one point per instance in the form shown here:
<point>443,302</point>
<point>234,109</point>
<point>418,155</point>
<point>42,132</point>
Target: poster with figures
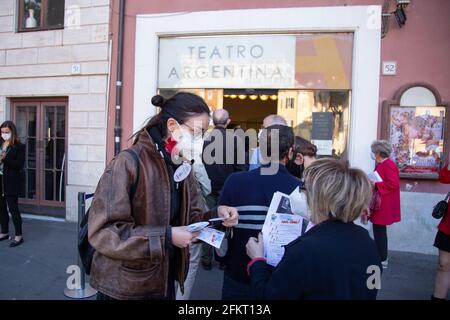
<point>416,135</point>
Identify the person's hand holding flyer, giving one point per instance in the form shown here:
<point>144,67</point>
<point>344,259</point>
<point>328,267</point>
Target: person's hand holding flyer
<point>281,227</point>
<point>207,234</point>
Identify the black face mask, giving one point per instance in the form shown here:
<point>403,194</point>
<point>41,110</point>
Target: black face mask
<point>295,169</point>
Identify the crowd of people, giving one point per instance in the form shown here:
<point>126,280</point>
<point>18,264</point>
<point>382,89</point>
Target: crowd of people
<point>179,171</point>
<point>141,209</point>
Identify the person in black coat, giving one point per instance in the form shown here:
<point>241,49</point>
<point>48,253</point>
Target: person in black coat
<point>336,259</point>
<point>220,169</point>
<point>11,163</point>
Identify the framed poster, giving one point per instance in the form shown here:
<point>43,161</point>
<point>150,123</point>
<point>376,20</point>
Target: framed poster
<point>419,135</point>
<point>417,138</point>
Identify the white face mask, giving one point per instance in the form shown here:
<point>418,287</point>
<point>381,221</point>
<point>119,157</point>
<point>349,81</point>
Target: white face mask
<point>6,136</point>
<point>372,156</point>
<point>186,143</point>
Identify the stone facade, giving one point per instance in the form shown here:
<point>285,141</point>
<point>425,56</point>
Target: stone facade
<point>41,64</point>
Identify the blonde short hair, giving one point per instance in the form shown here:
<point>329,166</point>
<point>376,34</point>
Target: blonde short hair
<point>334,190</point>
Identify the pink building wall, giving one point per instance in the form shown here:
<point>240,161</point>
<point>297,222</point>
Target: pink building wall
<point>421,48</point>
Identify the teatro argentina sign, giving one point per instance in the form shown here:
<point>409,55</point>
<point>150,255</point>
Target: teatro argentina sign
<point>227,62</point>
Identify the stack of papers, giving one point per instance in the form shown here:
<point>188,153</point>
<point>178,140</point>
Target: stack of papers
<point>281,227</point>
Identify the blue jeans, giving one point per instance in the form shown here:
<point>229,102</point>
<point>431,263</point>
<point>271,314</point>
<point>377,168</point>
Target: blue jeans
<point>235,290</point>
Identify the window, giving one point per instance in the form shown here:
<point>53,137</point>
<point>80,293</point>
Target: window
<point>290,103</point>
<point>36,15</point>
<point>322,116</point>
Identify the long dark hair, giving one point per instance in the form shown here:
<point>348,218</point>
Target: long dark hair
<point>14,137</point>
<point>180,107</point>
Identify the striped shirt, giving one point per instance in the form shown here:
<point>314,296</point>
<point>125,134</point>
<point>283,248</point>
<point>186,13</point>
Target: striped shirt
<point>251,193</point>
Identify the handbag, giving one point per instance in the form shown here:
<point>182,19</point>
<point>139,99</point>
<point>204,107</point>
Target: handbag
<point>441,208</point>
<point>375,202</point>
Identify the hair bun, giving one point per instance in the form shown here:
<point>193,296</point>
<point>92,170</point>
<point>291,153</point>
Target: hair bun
<point>158,101</point>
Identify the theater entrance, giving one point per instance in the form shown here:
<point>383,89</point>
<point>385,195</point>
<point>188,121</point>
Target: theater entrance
<point>322,116</point>
<point>248,108</point>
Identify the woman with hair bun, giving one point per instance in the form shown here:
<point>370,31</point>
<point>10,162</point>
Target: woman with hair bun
<point>145,199</point>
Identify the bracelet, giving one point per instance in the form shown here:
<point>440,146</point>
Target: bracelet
<point>253,261</point>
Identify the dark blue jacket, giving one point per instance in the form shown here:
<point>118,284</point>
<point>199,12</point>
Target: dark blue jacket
<point>330,261</point>
<point>251,193</point>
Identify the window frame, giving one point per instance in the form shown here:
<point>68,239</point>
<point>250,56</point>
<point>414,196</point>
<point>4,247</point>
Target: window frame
<point>43,16</point>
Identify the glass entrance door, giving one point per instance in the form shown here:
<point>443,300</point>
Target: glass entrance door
<point>41,127</point>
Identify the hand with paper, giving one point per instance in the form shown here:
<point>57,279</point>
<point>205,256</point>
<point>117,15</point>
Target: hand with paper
<point>374,177</point>
<point>255,247</point>
<point>207,234</point>
<point>229,214</point>
<point>182,236</point>
<point>281,227</point>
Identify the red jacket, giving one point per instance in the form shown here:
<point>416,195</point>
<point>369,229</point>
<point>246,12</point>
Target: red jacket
<point>444,177</point>
<point>389,189</point>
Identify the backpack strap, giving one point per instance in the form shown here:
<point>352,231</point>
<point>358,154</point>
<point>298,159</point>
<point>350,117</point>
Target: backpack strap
<point>136,159</point>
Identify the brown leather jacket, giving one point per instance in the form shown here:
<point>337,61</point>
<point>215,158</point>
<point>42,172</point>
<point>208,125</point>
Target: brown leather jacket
<point>132,257</point>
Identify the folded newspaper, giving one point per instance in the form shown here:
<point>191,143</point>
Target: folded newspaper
<point>281,227</point>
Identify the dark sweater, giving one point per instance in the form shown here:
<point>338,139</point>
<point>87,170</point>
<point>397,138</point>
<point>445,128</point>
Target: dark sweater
<point>219,172</point>
<point>330,261</point>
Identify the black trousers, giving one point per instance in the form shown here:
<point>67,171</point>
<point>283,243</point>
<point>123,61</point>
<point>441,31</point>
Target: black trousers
<point>11,203</point>
<point>380,237</point>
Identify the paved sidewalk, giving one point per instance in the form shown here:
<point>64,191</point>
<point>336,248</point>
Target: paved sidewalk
<point>37,269</point>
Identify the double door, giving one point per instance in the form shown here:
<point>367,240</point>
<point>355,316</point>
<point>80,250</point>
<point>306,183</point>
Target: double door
<point>41,126</point>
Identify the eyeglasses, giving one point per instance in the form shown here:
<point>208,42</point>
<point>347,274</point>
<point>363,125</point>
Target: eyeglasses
<point>196,132</point>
